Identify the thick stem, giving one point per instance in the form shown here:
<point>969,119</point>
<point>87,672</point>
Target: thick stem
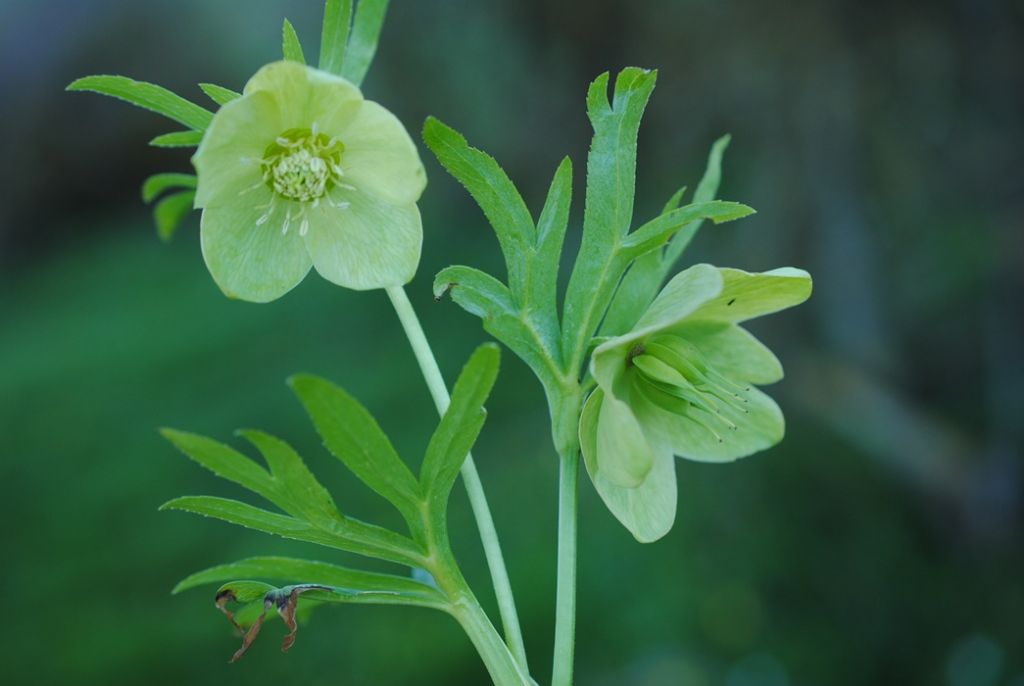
<point>470,477</point>
<point>565,603</point>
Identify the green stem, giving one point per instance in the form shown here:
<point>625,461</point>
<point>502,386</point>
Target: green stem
<point>501,665</point>
<point>565,602</point>
<point>470,477</point>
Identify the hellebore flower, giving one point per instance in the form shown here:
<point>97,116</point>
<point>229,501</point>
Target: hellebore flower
<point>301,171</point>
<point>682,383</point>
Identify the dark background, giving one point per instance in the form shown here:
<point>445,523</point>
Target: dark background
<point>880,543</point>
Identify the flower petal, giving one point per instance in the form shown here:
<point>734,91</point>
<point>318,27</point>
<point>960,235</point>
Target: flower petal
<point>701,436</point>
<point>648,510</point>
<point>251,261</point>
<point>369,244</point>
<point>624,456</point>
<point>745,295</point>
<point>380,156</point>
<point>306,96</point>
<point>680,297</point>
<point>684,294</point>
<point>228,159</point>
<point>732,351</point>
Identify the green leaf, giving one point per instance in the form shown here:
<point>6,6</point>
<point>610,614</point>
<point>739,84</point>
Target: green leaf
<point>148,96</point>
<point>289,484</point>
<point>494,192</point>
<point>362,44</point>
<point>706,191</point>
<point>477,292</point>
<point>293,480</point>
<point>219,94</point>
<point>169,213</point>
<point>607,215</point>
<point>486,297</point>
<point>641,283</point>
<point>178,139</point>
<point>391,588</point>
<point>657,232</point>
<point>349,534</point>
<point>223,461</point>
<point>551,227</point>
<point>290,45</point>
<point>459,428</point>
<point>352,435</point>
<point>158,183</point>
<point>333,39</point>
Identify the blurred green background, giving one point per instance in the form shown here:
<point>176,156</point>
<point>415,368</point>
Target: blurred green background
<point>881,543</point>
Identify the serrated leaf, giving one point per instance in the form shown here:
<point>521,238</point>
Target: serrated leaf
<point>349,534</point>
<point>291,47</point>
<point>178,139</point>
<point>608,211</point>
<point>286,601</point>
<point>306,497</point>
<point>224,461</point>
<point>289,484</point>
<point>334,37</point>
<point>493,191</point>
<point>477,292</point>
<point>148,96</point>
<point>362,43</point>
<point>706,191</point>
<point>158,183</point>
<point>351,434</point>
<point>219,94</point>
<point>459,428</point>
<point>171,211</point>
<point>551,227</point>
<point>658,231</point>
<point>400,589</point>
<point>643,280</point>
<point>486,297</point>
<point>639,285</point>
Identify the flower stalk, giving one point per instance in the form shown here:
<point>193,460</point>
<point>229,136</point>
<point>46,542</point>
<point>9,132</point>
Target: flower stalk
<point>470,477</point>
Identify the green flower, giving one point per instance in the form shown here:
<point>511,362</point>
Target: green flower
<point>682,383</point>
<point>301,171</point>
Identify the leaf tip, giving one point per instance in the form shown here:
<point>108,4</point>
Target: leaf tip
<point>173,435</point>
<point>171,504</point>
<point>300,380</point>
<point>736,211</point>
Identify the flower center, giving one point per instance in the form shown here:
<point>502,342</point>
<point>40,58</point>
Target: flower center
<point>676,376</point>
<point>302,164</point>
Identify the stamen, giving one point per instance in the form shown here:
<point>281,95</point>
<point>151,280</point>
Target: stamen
<point>707,428</point>
<point>303,164</point>
<point>253,187</point>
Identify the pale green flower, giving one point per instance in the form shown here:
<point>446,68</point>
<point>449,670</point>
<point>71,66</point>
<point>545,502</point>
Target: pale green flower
<point>301,171</point>
<point>682,383</point>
